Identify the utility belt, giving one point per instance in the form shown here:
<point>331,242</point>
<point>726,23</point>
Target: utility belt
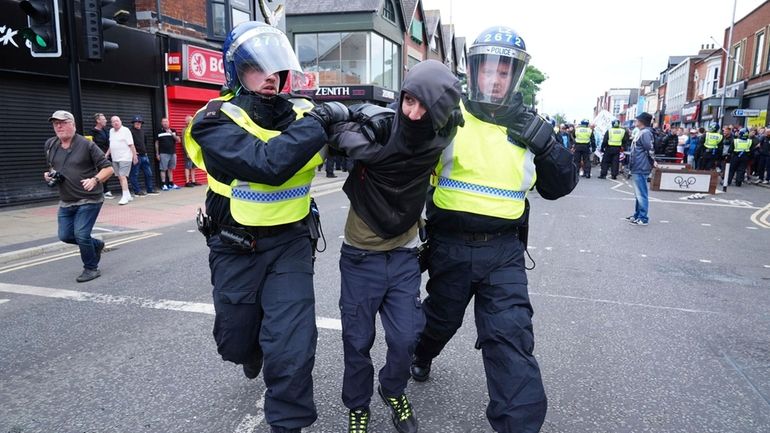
<point>246,237</point>
<point>475,236</point>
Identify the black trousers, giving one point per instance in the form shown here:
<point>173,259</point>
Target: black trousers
<point>738,168</point>
<point>493,273</point>
<point>385,282</point>
<point>583,153</point>
<point>709,159</point>
<point>265,299</point>
<point>611,159</point>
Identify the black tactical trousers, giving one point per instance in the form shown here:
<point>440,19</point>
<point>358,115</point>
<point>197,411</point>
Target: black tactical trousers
<point>493,272</point>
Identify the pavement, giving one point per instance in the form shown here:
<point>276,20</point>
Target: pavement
<point>31,230</point>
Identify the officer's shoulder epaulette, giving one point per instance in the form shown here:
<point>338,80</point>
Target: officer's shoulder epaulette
<point>213,109</point>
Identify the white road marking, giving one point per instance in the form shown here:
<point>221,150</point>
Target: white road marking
<point>548,248</point>
<point>628,304</point>
<point>706,224</point>
<point>704,261</point>
<point>250,422</point>
<point>767,266</point>
<point>530,247</point>
<point>191,231</point>
<point>760,217</point>
<point>161,304</point>
<point>664,222</point>
<point>63,255</point>
<point>3,301</point>
<point>644,255</point>
<point>585,251</point>
<point>752,228</point>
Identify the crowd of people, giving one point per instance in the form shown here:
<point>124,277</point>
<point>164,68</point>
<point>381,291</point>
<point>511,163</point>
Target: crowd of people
<point>126,148</point>
<point>746,150</point>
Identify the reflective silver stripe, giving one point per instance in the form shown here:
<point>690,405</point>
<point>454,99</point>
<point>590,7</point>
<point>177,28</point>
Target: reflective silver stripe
<point>528,175</point>
<point>232,110</point>
<point>447,159</point>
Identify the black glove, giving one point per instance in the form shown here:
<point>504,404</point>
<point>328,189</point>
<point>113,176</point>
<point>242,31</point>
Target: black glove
<point>455,119</point>
<point>330,113</point>
<point>533,131</point>
<point>376,122</point>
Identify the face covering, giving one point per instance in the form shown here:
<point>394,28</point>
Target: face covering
<point>418,130</point>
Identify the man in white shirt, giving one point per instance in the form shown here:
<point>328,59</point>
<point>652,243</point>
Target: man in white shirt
<point>123,155</point>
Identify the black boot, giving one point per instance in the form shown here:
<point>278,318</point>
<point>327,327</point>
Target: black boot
<point>420,369</point>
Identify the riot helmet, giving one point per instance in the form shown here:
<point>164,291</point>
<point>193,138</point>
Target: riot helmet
<point>616,123</point>
<point>496,63</point>
<point>258,47</point>
<point>713,127</point>
<point>584,122</point>
<point>743,134</point>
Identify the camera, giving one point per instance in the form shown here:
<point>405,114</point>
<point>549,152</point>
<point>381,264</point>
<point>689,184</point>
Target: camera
<point>56,178</point>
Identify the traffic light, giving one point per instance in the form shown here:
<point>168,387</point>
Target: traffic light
<point>94,25</point>
<point>44,32</point>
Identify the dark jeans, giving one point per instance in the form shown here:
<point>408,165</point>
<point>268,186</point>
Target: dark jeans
<point>763,167</point>
<point>387,282</point>
<point>493,273</point>
<point>146,168</point>
<point>75,225</point>
<point>642,196</point>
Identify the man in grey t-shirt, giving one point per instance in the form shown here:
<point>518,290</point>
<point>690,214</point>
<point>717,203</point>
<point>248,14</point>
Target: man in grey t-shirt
<point>79,169</point>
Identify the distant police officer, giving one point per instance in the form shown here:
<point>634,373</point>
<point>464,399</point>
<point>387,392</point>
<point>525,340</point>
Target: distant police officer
<point>585,145</point>
<point>712,148</point>
<point>739,157</point>
<point>260,156</point>
<point>476,215</point>
<point>615,140</point>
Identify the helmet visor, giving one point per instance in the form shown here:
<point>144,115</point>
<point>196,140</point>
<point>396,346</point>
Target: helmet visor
<point>259,53</point>
<point>495,73</point>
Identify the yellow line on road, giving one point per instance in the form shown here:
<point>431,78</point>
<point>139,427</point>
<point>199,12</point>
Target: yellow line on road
<point>761,216</point>
<point>59,256</point>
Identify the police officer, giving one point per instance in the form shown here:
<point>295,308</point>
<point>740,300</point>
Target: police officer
<point>615,140</point>
<point>712,148</point>
<point>585,145</point>
<point>260,155</point>
<point>477,216</point>
<point>739,157</point>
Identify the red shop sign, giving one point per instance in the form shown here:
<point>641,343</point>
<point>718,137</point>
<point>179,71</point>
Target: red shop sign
<point>202,65</point>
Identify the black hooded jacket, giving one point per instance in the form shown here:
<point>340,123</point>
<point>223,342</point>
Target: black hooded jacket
<point>387,186</point>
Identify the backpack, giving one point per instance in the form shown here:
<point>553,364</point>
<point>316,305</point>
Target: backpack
<point>658,141</point>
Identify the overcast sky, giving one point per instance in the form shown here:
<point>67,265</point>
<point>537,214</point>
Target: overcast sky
<point>587,47</point>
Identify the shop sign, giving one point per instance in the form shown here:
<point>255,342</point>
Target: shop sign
<point>745,112</point>
<point>759,121</point>
<point>174,62</point>
<point>202,65</point>
<point>690,114</point>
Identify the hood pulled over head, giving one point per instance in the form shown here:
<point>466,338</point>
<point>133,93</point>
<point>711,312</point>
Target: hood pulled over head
<point>437,89</point>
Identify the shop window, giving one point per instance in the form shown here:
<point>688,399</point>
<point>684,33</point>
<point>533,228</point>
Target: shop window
<point>376,66</point>
<point>349,58</point>
<point>354,57</point>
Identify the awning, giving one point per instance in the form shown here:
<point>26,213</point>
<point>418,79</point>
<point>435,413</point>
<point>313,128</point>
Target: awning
<point>717,101</point>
